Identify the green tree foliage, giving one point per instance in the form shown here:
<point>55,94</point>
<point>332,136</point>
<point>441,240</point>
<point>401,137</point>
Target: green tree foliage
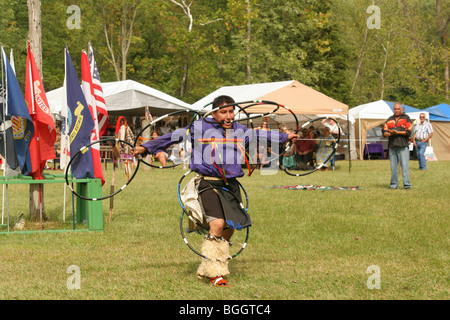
<point>403,60</point>
<point>325,44</point>
<point>13,34</point>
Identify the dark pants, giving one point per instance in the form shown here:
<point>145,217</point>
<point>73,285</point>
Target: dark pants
<point>221,204</point>
<point>303,160</point>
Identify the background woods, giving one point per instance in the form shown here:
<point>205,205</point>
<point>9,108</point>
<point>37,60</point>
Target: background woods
<point>188,48</point>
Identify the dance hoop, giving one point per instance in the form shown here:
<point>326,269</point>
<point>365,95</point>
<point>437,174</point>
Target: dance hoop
<point>186,217</point>
<point>83,150</point>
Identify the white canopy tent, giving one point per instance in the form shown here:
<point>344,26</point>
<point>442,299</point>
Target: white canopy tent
<point>373,114</point>
<point>127,97</point>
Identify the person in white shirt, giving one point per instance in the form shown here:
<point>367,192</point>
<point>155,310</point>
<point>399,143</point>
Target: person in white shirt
<point>422,133</point>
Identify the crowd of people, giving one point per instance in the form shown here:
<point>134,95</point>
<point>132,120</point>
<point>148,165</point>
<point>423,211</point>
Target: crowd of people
<point>312,148</point>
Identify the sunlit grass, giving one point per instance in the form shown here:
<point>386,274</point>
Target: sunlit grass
<point>303,244</point>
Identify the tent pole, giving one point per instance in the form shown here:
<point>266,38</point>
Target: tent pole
<point>349,146</point>
<point>64,205</point>
<point>360,144</point>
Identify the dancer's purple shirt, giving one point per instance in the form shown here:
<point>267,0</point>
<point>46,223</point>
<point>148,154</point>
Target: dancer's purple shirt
<point>216,152</point>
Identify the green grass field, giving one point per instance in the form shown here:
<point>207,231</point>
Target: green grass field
<point>303,244</point>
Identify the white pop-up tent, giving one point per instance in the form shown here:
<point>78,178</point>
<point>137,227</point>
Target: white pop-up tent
<point>127,97</point>
<point>305,102</point>
<point>373,114</point>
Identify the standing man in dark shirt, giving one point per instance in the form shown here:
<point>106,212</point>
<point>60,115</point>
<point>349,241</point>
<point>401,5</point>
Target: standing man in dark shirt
<point>398,129</point>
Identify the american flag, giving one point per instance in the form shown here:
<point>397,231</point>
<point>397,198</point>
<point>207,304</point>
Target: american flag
<point>102,114</point>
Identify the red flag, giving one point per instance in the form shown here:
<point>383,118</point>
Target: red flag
<point>43,141</point>
<point>88,90</point>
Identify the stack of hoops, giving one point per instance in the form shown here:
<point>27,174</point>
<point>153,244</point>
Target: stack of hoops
<point>243,113</point>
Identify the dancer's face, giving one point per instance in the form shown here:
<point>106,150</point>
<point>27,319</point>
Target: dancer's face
<point>224,116</point>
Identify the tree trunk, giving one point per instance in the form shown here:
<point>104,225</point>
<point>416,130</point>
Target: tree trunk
<point>35,32</point>
<point>444,20</point>
<point>361,59</point>
<point>185,73</point>
<point>35,36</point>
<point>187,11</point>
<point>123,39</point>
<point>36,199</point>
<point>412,33</point>
<point>383,69</point>
<point>124,44</point>
<point>249,35</point>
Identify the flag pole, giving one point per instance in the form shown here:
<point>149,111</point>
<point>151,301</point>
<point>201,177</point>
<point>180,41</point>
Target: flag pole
<point>64,204</point>
<point>73,206</point>
<point>4,142</point>
<point>63,137</point>
<point>4,85</point>
<point>111,200</point>
<point>66,49</point>
<point>63,155</point>
<point>40,204</point>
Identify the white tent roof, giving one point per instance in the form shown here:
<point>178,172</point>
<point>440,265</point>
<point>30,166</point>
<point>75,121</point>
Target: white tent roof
<point>299,98</point>
<point>379,110</point>
<point>127,97</point>
<point>373,110</point>
<point>305,102</point>
<point>241,93</point>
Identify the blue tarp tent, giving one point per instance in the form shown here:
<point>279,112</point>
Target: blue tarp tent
<point>407,108</point>
<point>440,120</point>
<point>440,112</point>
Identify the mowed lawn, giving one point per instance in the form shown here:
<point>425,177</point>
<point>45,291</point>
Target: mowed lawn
<point>304,244</point>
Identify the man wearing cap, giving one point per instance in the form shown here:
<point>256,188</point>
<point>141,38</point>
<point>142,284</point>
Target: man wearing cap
<point>422,133</point>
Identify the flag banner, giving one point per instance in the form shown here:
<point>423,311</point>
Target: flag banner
<point>22,124</point>
<point>88,90</point>
<point>82,123</point>
<point>11,61</point>
<point>64,157</point>
<point>6,131</point>
<point>99,99</point>
<point>42,145</point>
<point>11,157</point>
<point>12,164</point>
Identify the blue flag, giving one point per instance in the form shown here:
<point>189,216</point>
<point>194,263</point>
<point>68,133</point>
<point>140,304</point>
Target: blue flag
<point>82,123</point>
<point>22,124</point>
<point>7,132</point>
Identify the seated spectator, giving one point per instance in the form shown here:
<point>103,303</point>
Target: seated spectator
<point>263,151</point>
<point>312,132</point>
<point>305,147</point>
<point>324,147</point>
<point>163,129</point>
<point>160,156</point>
<point>334,130</point>
<point>289,160</point>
